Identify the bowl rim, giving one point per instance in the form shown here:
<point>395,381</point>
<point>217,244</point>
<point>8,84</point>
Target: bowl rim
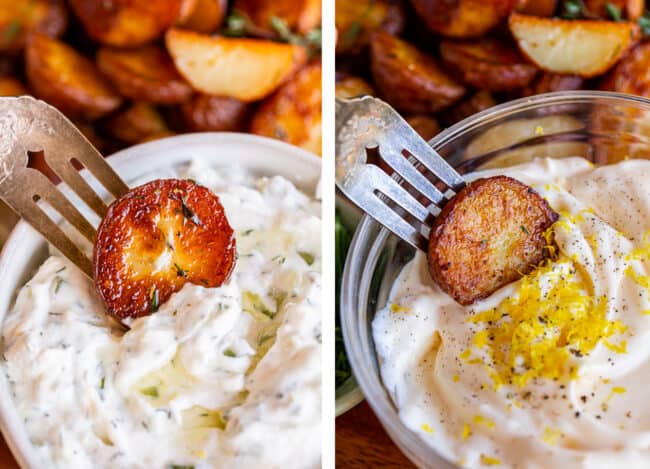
<point>133,160</point>
<point>352,299</point>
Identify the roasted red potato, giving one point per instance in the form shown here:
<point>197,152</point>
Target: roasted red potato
<point>10,86</point>
<point>202,16</point>
<point>578,47</point>
<point>630,9</point>
<point>144,74</point>
<point>157,136</point>
<point>469,106</point>
<point>426,126</point>
<point>136,123</point>
<point>549,82</point>
<point>155,239</point>
<point>207,113</point>
<point>299,15</point>
<point>462,18</point>
<point>19,18</point>
<point>357,20</point>
<point>348,86</point>
<point>126,23</point>
<point>293,113</point>
<point>487,63</point>
<point>245,69</point>
<point>408,79</point>
<point>544,8</point>
<point>632,74</point>
<point>490,234</point>
<point>68,80</point>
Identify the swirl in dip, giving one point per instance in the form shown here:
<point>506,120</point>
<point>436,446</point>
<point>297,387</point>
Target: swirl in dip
<point>218,377</point>
<point>551,371</point>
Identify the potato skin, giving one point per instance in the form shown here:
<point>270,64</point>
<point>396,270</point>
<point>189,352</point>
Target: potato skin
<point>67,80</point>
<point>477,102</point>
<point>349,86</point>
<point>293,113</point>
<point>632,74</point>
<point>548,82</point>
<point>356,21</point>
<point>408,79</point>
<point>462,18</point>
<point>487,236</point>
<point>144,74</point>
<point>544,8</point>
<point>132,236</point>
<point>136,123</point>
<point>487,63</point>
<point>207,113</point>
<point>299,15</point>
<point>20,18</point>
<point>202,16</point>
<point>126,23</point>
<point>426,126</point>
<point>10,86</point>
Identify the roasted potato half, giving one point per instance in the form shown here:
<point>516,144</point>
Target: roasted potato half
<point>245,69</point>
<point>630,9</point>
<point>357,20</point>
<point>126,23</point>
<point>178,221</point>
<point>10,86</point>
<point>579,47</point>
<point>293,113</point>
<point>68,80</point>
<point>299,15</point>
<point>349,86</point>
<point>19,18</point>
<point>487,63</point>
<point>136,123</point>
<point>490,234</point>
<point>408,79</point>
<point>144,74</point>
<point>548,82</point>
<point>462,18</point>
<point>632,74</point>
<point>207,113</point>
<point>202,16</point>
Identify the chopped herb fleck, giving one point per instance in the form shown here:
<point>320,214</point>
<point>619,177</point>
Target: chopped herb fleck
<point>524,229</point>
<point>60,270</point>
<point>613,11</point>
<point>264,338</point>
<point>247,232</point>
<point>189,214</point>
<point>179,271</point>
<point>103,381</point>
<point>307,257</point>
<point>58,281</point>
<point>154,299</point>
<point>181,466</point>
<point>644,23</point>
<point>229,353</point>
<point>151,391</point>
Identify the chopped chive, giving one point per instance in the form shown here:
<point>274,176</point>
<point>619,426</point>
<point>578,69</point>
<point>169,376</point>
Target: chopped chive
<point>307,257</point>
<point>524,229</point>
<point>613,11</point>
<point>58,281</point>
<point>189,214</point>
<point>179,271</point>
<point>181,466</point>
<point>247,232</point>
<point>103,381</point>
<point>229,353</point>
<point>154,299</point>
<point>60,270</point>
<point>151,391</point>
<point>279,259</point>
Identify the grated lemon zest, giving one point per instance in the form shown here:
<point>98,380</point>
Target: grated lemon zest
<point>395,308</point>
<point>467,431</point>
<point>489,460</point>
<point>551,435</point>
<point>456,378</point>
<point>480,420</point>
<point>427,428</point>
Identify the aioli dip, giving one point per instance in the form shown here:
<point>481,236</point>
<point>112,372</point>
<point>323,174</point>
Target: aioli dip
<point>551,371</point>
<point>217,377</point>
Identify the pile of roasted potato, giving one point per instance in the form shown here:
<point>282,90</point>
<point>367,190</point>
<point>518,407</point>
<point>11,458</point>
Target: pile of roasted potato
<point>129,71</point>
<point>439,61</point>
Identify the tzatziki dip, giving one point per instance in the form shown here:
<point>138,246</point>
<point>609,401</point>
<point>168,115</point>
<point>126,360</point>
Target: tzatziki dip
<point>216,378</point>
<point>550,371</point>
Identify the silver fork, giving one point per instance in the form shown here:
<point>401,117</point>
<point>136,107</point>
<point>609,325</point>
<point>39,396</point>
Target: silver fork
<point>29,125</point>
<point>369,123</point>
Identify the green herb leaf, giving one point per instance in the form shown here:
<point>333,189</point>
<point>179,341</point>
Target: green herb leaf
<point>151,391</point>
<point>253,304</point>
<point>103,381</point>
<point>613,11</point>
<point>154,299</point>
<point>644,23</point>
<point>573,9</point>
<point>58,281</point>
<point>180,272</point>
<point>189,214</point>
<point>280,26</point>
<point>307,257</point>
<point>236,25</point>
<point>181,466</point>
<point>524,229</point>
<point>229,353</point>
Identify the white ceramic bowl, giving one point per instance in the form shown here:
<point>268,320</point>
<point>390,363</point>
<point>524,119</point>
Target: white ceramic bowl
<point>25,249</point>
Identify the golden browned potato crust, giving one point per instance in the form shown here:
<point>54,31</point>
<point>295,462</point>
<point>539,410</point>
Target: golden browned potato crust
<point>408,79</point>
<point>462,18</point>
<point>349,86</point>
<point>632,74</point>
<point>477,102</point>
<point>299,15</point>
<point>68,80</point>
<point>487,63</point>
<point>356,21</point>
<point>20,18</point>
<point>207,113</point>
<point>293,113</point>
<point>126,23</point>
<point>544,8</point>
<point>144,74</point>
<point>488,235</point>
<point>136,123</point>
<point>202,16</point>
<point>10,86</point>
<point>548,82</point>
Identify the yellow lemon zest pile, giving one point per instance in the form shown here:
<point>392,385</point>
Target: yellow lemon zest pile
<point>551,435</point>
<point>467,431</point>
<point>427,428</point>
<point>480,420</point>
<point>489,460</point>
<point>534,333</point>
<point>395,308</point>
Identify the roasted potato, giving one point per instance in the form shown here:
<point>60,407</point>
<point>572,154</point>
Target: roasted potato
<point>202,16</point>
<point>293,113</point>
<point>357,20</point>
<point>175,220</point>
<point>10,86</point>
<point>136,123</point>
<point>157,136</point>
<point>462,18</point>
<point>630,9</point>
<point>144,74</point>
<point>19,18</point>
<point>348,86</point>
<point>299,15</point>
<point>490,234</point>
<point>579,47</point>
<point>478,102</point>
<point>632,74</point>
<point>487,63</point>
<point>408,79</point>
<point>126,23</point>
<point>544,8</point>
<point>245,69</point>
<point>426,126</point>
<point>68,80</point>
<point>207,113</point>
<point>549,82</point>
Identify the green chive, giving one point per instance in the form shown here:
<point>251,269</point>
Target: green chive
<point>613,11</point>
<point>58,281</point>
<point>307,257</point>
<point>101,384</point>
<point>229,353</point>
<point>524,229</point>
<point>180,272</point>
<point>154,299</point>
<point>151,391</point>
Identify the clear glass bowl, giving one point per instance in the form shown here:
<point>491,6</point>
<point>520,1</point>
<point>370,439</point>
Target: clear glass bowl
<point>603,127</point>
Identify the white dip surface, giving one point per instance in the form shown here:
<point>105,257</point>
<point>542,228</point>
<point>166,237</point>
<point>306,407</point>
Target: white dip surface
<point>551,371</point>
<point>218,377</point>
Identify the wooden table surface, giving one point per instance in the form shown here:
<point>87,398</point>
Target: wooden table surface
<point>7,461</point>
<point>361,442</point>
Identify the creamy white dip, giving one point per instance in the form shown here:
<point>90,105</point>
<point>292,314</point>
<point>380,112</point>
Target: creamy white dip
<point>218,377</point>
<point>551,371</point>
